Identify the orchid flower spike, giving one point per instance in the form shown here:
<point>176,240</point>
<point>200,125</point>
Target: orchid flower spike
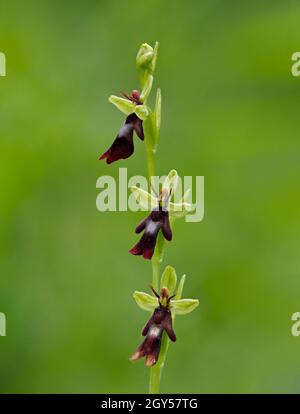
<point>161,208</point>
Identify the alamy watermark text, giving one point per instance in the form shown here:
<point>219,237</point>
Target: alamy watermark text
<point>115,195</point>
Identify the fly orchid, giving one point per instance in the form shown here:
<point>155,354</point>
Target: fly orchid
<point>136,111</point>
<point>160,321</point>
<point>161,208</point>
<point>163,307</point>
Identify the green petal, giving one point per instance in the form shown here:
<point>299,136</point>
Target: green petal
<point>145,301</point>
<point>141,111</point>
<point>183,306</point>
<point>180,287</point>
<point>169,279</point>
<point>124,105</point>
<point>147,89</point>
<point>144,199</point>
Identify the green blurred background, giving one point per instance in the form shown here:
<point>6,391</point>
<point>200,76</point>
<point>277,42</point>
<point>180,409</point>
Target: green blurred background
<point>230,113</point>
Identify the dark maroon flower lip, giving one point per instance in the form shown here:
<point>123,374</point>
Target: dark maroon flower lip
<point>156,221</point>
<point>123,146</point>
<point>160,321</point>
<point>137,125</point>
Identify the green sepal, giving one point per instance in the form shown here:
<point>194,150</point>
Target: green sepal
<point>124,105</point>
<point>183,306</point>
<point>179,210</point>
<point>145,301</point>
<point>170,182</point>
<point>169,279</point>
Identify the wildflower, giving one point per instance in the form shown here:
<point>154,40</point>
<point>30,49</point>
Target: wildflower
<point>158,219</point>
<point>160,321</point>
<point>123,147</point>
<point>163,315</point>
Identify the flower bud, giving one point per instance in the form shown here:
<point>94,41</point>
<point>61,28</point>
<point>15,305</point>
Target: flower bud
<point>144,56</point>
<point>146,61</point>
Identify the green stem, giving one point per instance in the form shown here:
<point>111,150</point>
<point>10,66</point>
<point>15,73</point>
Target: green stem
<point>156,370</point>
<point>150,164</point>
<point>155,269</point>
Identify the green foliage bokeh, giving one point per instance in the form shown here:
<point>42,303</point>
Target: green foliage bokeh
<point>230,113</point>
